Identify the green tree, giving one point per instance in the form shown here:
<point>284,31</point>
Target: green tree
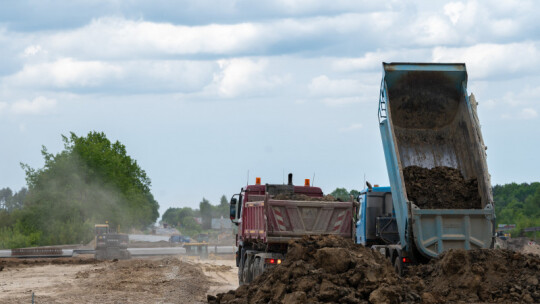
<point>10,201</point>
<point>183,219</point>
<point>5,196</point>
<point>355,194</point>
<point>91,181</point>
<point>343,195</point>
<point>518,204</point>
<point>223,207</point>
<point>206,213</point>
<point>176,217</point>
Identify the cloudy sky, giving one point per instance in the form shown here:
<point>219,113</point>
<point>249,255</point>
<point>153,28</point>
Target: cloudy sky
<point>201,91</point>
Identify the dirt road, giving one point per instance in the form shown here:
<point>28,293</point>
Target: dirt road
<point>84,280</point>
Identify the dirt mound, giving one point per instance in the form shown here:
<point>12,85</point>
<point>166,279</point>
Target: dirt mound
<point>334,270</point>
<point>481,276</point>
<point>166,280</point>
<point>531,248</point>
<point>29,262</point>
<point>303,197</point>
<point>217,268</point>
<point>441,188</point>
<point>323,269</point>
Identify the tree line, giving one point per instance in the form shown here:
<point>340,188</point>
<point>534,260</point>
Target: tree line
<point>184,218</point>
<point>92,180</point>
<point>518,204</point>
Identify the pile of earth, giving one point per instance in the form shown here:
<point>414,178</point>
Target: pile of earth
<point>523,244</point>
<point>480,276</point>
<point>441,188</point>
<point>334,270</point>
<point>303,197</point>
<point>30,262</point>
<point>324,269</point>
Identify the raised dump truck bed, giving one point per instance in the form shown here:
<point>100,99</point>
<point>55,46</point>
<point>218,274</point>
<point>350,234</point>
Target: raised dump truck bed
<point>427,120</point>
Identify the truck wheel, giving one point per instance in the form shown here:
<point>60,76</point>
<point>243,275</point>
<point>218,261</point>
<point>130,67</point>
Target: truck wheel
<point>241,267</point>
<point>247,269</point>
<point>252,269</point>
<point>257,268</point>
<point>398,266</point>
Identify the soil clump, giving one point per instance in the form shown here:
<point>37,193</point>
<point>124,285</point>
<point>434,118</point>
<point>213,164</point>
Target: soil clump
<point>441,188</point>
<point>481,276</point>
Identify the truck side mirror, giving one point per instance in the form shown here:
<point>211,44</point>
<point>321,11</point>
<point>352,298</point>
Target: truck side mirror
<point>232,211</point>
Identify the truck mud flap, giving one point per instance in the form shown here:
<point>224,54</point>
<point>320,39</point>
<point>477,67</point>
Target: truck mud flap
<point>438,230</point>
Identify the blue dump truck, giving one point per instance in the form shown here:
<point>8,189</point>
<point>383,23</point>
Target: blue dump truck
<point>440,191</point>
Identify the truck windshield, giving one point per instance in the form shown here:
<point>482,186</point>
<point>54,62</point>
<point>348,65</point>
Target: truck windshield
<point>101,230</point>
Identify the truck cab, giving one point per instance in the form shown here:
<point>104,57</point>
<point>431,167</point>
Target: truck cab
<point>269,216</point>
<point>377,219</point>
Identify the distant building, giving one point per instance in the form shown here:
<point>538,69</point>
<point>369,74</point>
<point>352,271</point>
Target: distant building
<point>221,223</point>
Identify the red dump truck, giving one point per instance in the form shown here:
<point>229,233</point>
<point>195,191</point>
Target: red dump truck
<point>269,216</point>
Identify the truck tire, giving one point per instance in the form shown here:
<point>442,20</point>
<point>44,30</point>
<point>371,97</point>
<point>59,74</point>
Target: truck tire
<point>257,267</point>
<point>252,269</point>
<point>241,267</point>
<point>398,265</point>
<point>247,275</point>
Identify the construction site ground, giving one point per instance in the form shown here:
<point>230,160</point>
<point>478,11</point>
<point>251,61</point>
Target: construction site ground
<point>171,279</point>
<point>324,271</point>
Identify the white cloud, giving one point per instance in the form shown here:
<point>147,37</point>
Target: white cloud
<point>32,50</point>
<point>38,105</point>
<point>431,30</point>
<point>372,61</point>
<point>243,76</point>
<point>64,73</point>
<point>137,76</point>
<point>528,113</point>
<point>454,10</point>
<point>493,60</point>
<point>117,37</point>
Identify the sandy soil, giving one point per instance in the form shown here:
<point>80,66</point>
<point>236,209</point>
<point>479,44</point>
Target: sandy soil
<point>223,275</point>
<point>84,280</point>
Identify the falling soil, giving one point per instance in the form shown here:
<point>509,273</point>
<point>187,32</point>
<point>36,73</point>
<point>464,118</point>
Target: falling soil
<point>441,188</point>
<point>423,100</point>
<point>334,270</point>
